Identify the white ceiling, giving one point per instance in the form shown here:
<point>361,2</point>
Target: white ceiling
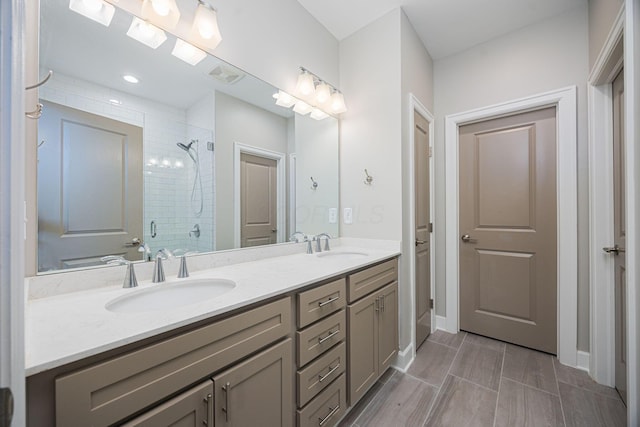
<point>445,27</point>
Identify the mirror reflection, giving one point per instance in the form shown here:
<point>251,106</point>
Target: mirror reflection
<point>139,150</point>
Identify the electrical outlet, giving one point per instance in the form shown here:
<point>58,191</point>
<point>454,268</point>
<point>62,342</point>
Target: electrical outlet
<point>348,216</point>
<point>333,215</point>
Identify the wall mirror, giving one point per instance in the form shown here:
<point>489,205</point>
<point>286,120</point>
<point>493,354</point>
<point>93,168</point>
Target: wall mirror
<point>195,158</point>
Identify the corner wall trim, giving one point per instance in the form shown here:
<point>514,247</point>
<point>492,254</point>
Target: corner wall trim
<point>404,358</point>
<point>583,359</point>
<point>565,100</point>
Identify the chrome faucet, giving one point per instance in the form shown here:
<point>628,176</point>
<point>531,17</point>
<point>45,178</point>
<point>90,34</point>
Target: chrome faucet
<point>158,270</point>
<point>326,242</point>
<point>294,238</point>
<point>309,247</point>
<point>130,280</point>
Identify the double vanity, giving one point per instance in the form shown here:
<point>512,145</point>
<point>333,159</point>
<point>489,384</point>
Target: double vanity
<point>285,338</point>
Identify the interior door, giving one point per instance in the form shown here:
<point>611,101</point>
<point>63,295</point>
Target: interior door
<point>508,256</point>
<point>258,205</point>
<point>89,188</point>
<point>619,231</point>
<point>422,219</point>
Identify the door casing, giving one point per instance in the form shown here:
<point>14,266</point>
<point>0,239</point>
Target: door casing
<point>416,106</point>
<point>565,102</point>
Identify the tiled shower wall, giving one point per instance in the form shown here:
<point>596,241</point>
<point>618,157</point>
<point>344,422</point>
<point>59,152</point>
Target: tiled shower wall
<point>168,170</point>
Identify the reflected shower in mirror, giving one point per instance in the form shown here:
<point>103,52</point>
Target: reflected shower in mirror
<point>195,158</point>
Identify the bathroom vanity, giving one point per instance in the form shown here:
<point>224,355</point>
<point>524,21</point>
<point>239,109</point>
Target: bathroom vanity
<point>295,340</point>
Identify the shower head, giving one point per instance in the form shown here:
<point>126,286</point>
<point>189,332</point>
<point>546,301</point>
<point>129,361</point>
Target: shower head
<point>186,147</point>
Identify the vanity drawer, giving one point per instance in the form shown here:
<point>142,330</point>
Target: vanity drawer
<point>327,408</point>
<point>105,393</point>
<point>319,302</point>
<point>321,336</point>
<point>319,374</point>
<point>366,281</point>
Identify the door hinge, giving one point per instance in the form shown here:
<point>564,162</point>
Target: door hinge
<point>6,407</point>
<point>430,151</point>
<point>431,303</point>
<point>430,227</point>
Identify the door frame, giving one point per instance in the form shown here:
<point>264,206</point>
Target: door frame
<point>567,245</point>
<point>601,269</point>
<point>239,149</point>
<point>13,104</point>
<point>416,106</point>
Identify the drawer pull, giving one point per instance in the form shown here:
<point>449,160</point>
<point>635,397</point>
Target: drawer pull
<point>328,337</point>
<point>208,400</point>
<point>227,389</point>
<point>331,371</point>
<point>329,301</point>
<point>333,411</point>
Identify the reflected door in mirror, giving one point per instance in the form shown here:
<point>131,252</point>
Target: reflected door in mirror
<point>258,192</point>
<point>89,188</point>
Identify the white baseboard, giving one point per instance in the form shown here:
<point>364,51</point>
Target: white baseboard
<point>582,360</point>
<point>441,323</point>
<point>404,358</point>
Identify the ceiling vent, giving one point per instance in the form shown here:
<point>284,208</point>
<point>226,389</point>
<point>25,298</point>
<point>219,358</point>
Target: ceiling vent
<point>227,74</point>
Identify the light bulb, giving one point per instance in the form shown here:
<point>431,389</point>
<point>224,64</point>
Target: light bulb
<point>93,5</point>
<point>323,93</point>
<point>305,84</point>
<point>337,103</point>
<point>205,29</point>
<point>161,7</point>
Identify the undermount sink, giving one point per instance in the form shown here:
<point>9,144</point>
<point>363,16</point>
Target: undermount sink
<point>342,254</point>
<point>165,296</point>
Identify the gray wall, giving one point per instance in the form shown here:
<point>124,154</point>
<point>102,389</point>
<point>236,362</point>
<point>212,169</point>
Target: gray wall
<point>602,13</point>
<point>542,57</point>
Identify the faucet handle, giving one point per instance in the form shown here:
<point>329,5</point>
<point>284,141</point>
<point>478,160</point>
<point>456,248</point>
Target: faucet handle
<point>130,280</point>
<point>164,253</point>
<point>309,247</point>
<point>183,272</point>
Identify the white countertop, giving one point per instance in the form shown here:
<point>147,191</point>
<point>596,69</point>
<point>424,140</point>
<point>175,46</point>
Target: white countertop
<point>65,328</point>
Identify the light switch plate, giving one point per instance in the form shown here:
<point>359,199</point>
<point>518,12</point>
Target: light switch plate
<point>348,216</point>
<point>333,215</point>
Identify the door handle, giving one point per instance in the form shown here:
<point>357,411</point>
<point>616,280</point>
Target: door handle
<point>273,230</point>
<point>613,250</point>
<point>420,242</point>
<point>467,239</point>
<point>135,242</point>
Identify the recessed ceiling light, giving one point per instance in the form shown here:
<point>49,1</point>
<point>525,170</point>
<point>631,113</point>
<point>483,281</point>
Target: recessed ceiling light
<point>115,101</point>
<point>129,78</point>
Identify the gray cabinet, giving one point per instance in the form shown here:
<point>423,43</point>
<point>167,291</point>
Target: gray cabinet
<point>192,408</point>
<point>258,391</point>
<point>372,337</point>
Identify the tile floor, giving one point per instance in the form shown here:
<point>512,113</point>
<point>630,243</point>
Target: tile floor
<point>469,380</point>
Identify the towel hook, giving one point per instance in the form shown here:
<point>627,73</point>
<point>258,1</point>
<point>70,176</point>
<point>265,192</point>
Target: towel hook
<point>35,114</point>
<point>369,178</point>
<point>43,81</point>
<point>314,186</point>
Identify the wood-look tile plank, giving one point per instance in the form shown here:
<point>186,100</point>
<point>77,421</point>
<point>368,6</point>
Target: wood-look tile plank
<point>461,403</point>
<point>521,405</point>
<point>352,417</point>
<point>530,367</point>
<point>445,338</point>
<point>484,341</point>
<point>432,363</point>
<point>402,401</point>
<point>478,364</point>
<point>584,408</point>
<point>578,378</point>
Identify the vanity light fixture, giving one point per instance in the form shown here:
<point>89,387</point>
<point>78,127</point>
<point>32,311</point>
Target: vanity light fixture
<point>188,52</point>
<point>318,114</point>
<point>146,33</point>
<point>162,12</point>
<point>337,103</point>
<point>306,86</point>
<point>130,79</point>
<point>302,108</point>
<point>96,10</point>
<point>323,93</point>
<point>285,100</point>
<point>205,26</point>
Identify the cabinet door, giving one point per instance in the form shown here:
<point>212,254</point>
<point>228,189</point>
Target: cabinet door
<point>189,409</point>
<point>363,346</point>
<point>258,391</point>
<point>387,326</point>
